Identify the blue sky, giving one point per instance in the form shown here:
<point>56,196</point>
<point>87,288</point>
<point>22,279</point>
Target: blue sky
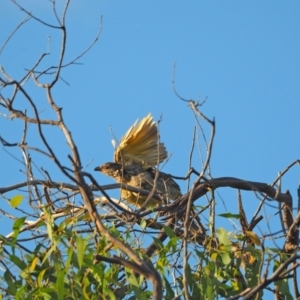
<point>243,55</point>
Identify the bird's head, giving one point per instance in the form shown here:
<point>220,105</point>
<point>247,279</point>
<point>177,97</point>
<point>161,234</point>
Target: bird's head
<point>110,169</point>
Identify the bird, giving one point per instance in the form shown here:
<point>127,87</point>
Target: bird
<point>135,163</point>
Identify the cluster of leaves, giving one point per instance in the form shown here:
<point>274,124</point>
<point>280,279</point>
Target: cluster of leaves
<point>70,262</point>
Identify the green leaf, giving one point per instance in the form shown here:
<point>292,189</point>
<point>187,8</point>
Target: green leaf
<point>170,292</point>
<point>225,257</point>
<point>143,224</point>
<point>223,238</point>
<point>17,226</point>
<point>18,262</point>
<point>283,287</point>
<point>49,252</point>
<point>108,292</point>
<point>49,224</point>
<point>60,284</point>
<point>10,283</point>
<point>40,278</point>
<point>189,275</point>
<point>33,264</point>
<point>214,256</point>
<point>230,216</point>
<point>16,200</point>
<point>69,259</point>
<point>80,244</point>
<point>158,244</point>
<point>133,280</point>
<point>169,232</point>
<point>20,293</point>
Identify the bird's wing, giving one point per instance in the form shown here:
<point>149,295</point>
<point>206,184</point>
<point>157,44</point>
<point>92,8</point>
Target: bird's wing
<point>141,144</point>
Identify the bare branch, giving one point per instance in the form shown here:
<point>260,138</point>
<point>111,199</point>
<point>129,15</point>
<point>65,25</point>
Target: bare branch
<point>27,18</point>
<point>29,14</point>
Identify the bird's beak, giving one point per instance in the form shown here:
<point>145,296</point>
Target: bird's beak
<point>97,169</point>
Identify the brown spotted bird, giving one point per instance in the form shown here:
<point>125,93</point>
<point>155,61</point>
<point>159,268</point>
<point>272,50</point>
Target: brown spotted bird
<point>135,161</point>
